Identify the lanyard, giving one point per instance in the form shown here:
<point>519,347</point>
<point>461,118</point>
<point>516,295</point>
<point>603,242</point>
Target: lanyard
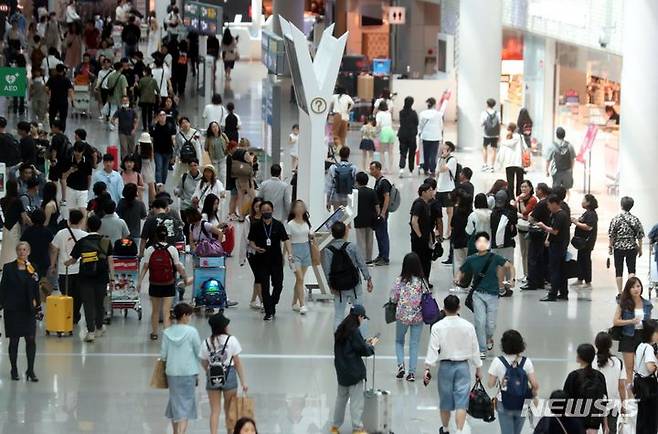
<point>268,234</point>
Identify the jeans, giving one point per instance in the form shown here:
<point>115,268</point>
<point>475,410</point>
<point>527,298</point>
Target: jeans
<point>414,341</point>
<point>485,311</point>
<point>342,300</point>
<point>513,172</point>
<point>511,422</point>
<point>161,167</point>
<point>364,241</point>
<point>407,151</point>
<point>93,293</point>
<point>430,151</point>
<point>454,383</point>
<point>585,265</point>
<point>556,259</point>
<point>355,395</point>
<point>381,233</point>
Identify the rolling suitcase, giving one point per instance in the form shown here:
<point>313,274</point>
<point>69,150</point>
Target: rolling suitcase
<point>377,408</point>
<point>365,87</point>
<point>229,239</point>
<point>59,312</point>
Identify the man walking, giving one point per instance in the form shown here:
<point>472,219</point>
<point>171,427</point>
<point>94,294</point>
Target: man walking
<point>454,345</point>
<point>559,162</point>
<point>110,177</point>
<point>430,129</point>
<point>188,185</point>
<point>558,242</point>
<point>366,216</point>
<point>278,192</point>
<point>421,228</point>
<point>125,117</point>
<point>490,122</point>
<point>383,190</point>
<point>340,180</point>
<point>342,262</point>
<point>60,91</point>
<point>163,134</point>
<point>76,178</point>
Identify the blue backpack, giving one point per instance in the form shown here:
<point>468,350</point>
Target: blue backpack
<point>515,388</point>
<point>213,294</point>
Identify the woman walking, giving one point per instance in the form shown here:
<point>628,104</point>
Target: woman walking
<point>229,53</point>
<point>248,253</point>
<point>625,234</point>
<point>407,135</point>
<point>50,207</point>
<point>613,370</point>
<point>217,147</point>
<point>180,350</point>
<point>386,135</point>
<point>132,210</point>
<point>220,357</point>
<point>19,296</point>
<point>645,366</point>
<point>301,236</point>
<point>14,216</point>
<point>407,292</point>
<point>585,233</point>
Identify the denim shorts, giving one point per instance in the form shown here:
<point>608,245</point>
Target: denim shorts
<point>231,382</point>
<point>454,380</point>
<point>301,253</point>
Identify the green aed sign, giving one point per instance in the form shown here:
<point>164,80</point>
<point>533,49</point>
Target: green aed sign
<point>13,81</point>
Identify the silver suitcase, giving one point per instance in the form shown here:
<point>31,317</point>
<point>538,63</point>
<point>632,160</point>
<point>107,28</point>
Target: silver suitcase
<point>377,408</point>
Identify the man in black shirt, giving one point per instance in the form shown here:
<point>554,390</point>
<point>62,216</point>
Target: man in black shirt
<point>265,237</point>
<point>366,216</point>
<point>558,241</point>
<point>163,135</point>
<point>421,228</point>
<point>383,191</point>
<point>27,146</point>
<point>436,213</point>
<point>465,181</point>
<point>76,178</point>
<point>9,148</point>
<point>537,269</point>
<point>60,90</point>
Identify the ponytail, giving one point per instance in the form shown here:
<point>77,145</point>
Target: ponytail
<point>603,343</point>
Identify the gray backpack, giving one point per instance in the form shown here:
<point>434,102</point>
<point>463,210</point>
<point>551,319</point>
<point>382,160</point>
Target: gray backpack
<point>492,125</point>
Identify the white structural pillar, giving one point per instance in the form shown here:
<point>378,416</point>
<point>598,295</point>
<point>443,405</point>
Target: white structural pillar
<point>314,81</point>
<point>638,153</point>
<point>478,70</point>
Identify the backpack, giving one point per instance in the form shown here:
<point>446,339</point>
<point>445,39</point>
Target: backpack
<point>394,199</point>
<point>592,386</point>
<point>492,125</point>
<point>514,386</point>
<point>344,178</point>
<point>217,371</point>
<point>125,247</point>
<point>182,58</point>
<point>343,275</point>
<point>213,294</point>
<point>161,266</point>
<point>563,160</point>
<point>93,256</point>
<point>454,177</point>
<point>187,151</point>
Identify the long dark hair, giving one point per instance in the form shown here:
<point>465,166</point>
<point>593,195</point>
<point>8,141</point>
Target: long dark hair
<point>209,205</point>
<point>252,213</point>
<point>49,194</point>
<point>411,267</point>
<point>346,328</point>
<point>210,134</point>
<point>242,422</point>
<point>305,216</point>
<point>499,184</point>
<point>523,119</point>
<point>586,353</point>
<point>227,38</point>
<point>603,343</point>
<point>129,194</point>
<point>408,104</point>
<point>11,194</point>
<point>146,151</point>
<point>626,299</point>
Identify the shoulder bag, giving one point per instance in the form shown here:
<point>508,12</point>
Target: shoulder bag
<point>476,282</point>
<point>645,388</point>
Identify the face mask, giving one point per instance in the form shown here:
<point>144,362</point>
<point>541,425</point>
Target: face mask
<point>126,106</point>
<point>267,215</point>
<point>482,245</point>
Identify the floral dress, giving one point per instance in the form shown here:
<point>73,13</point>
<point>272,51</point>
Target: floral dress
<point>407,294</point>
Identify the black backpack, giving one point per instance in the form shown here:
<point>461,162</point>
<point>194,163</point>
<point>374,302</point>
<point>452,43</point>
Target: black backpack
<point>454,177</point>
<point>93,256</point>
<point>563,160</point>
<point>10,153</point>
<point>344,178</point>
<point>343,274</point>
<point>187,151</point>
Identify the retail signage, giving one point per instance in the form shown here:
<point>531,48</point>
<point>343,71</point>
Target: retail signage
<point>13,81</point>
<point>397,15</point>
<point>588,142</point>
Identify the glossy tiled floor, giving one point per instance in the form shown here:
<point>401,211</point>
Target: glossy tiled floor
<point>103,387</point>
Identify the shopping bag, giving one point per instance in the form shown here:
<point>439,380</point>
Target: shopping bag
<point>239,407</point>
<point>390,309</point>
<point>316,256</point>
<point>159,376</point>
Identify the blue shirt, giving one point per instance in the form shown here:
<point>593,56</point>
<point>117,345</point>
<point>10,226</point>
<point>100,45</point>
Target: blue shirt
<point>112,180</point>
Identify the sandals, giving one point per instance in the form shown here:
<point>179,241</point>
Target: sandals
<point>154,336</point>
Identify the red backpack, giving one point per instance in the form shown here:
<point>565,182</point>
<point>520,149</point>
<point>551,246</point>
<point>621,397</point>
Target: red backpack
<point>161,266</point>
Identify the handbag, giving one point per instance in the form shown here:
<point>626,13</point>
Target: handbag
<point>480,405</point>
<point>615,333</point>
<point>240,169</point>
<point>476,282</point>
<point>645,388</point>
<point>579,242</point>
<point>523,225</point>
<point>239,407</point>
<point>159,375</point>
<point>437,250</point>
<point>390,309</point>
<point>526,158</point>
<point>208,247</point>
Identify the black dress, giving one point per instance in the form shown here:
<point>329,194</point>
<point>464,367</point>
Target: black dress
<point>18,290</point>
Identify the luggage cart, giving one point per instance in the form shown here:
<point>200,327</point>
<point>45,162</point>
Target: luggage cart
<point>124,296</point>
<point>653,269</point>
<point>81,100</point>
<point>209,273</point>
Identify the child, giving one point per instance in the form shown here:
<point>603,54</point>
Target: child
<point>38,95</point>
<point>368,136</point>
<point>293,141</point>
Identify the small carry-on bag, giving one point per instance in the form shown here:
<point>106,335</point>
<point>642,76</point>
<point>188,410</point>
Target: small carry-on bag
<point>377,408</point>
<point>59,312</point>
<point>229,239</point>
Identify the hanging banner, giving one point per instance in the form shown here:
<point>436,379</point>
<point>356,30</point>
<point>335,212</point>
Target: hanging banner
<point>13,81</point>
<point>588,142</point>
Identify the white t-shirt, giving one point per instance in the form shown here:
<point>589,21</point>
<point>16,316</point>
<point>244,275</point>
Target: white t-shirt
<point>64,242</point>
<point>384,119</point>
<point>293,140</point>
<point>613,371</point>
<point>214,113</point>
<point>639,314</point>
<point>498,370</point>
<point>298,232</point>
<point>198,234</point>
<point>643,355</point>
<point>233,348</point>
<point>430,125</point>
<point>173,252</point>
<point>446,181</point>
<point>342,104</point>
<point>162,76</point>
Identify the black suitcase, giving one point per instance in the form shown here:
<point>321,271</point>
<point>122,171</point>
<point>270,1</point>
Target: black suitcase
<point>382,82</point>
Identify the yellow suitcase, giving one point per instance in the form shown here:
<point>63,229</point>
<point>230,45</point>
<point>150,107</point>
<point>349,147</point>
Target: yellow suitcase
<point>59,314</point>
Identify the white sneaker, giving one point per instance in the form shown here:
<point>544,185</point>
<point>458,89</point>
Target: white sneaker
<point>459,290</point>
<point>255,305</point>
<point>484,168</point>
<point>295,307</point>
<point>578,283</point>
<point>89,337</point>
<point>490,169</point>
<point>401,173</point>
<point>303,310</point>
<point>483,355</point>
<point>100,331</point>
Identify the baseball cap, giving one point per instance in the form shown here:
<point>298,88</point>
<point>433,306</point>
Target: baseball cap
<point>359,310</point>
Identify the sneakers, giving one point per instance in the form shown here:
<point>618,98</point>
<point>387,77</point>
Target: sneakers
<point>443,431</point>
<point>490,344</point>
<point>90,337</point>
<point>231,303</point>
<point>483,355</point>
<point>255,305</point>
<point>380,261</point>
<point>400,374</point>
<point>401,173</point>
<point>303,310</point>
<point>268,318</point>
<point>411,377</point>
<point>295,307</point>
<point>100,332</point>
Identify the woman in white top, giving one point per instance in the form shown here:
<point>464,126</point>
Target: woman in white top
<point>220,357</point>
<point>511,420</point>
<point>341,105</point>
<point>510,156</point>
<point>386,97</point>
<point>645,366</point>
<point>200,229</point>
<point>479,220</point>
<point>301,235</point>
<point>613,370</point>
<point>209,184</point>
<point>247,252</point>
<point>71,14</point>
<point>215,111</point>
<point>386,135</point>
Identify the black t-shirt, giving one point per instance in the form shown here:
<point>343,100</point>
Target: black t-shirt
<point>162,138</point>
<point>541,212</point>
<point>12,212</point>
<point>590,218</point>
<point>468,187</point>
<point>435,209</point>
<point>59,89</point>
<point>173,224</point>
<point>367,211</point>
<point>573,386</point>
<point>382,186</point>
<point>420,209</point>
<point>39,239</point>
<point>28,150</point>
<point>259,233</point>
<point>78,179</point>
<point>560,221</point>
<point>458,234</point>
